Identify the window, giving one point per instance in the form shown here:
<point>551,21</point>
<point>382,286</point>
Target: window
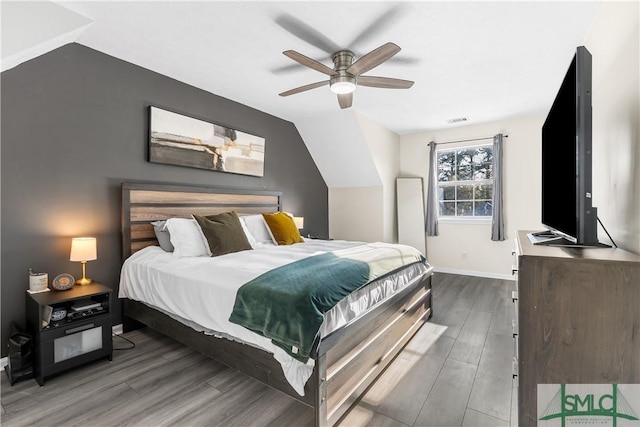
<point>465,182</point>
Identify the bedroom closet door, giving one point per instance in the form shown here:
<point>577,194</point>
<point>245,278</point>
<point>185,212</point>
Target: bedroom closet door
<point>411,217</point>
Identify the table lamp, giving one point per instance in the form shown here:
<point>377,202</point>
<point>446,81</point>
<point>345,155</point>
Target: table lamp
<point>83,249</point>
<point>299,221</point>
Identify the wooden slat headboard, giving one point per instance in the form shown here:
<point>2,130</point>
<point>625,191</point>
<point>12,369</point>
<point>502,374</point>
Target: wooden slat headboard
<point>143,203</point>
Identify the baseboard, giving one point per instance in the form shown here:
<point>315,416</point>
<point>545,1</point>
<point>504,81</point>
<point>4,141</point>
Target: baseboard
<point>474,273</point>
<point>116,329</point>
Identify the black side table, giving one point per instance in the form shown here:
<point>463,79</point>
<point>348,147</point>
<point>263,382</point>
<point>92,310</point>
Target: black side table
<point>83,335</point>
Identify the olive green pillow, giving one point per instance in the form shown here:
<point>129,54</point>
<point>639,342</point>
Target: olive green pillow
<point>223,233</point>
<point>283,228</point>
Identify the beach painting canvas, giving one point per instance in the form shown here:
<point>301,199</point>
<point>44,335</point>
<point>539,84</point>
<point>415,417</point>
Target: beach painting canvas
<point>176,139</point>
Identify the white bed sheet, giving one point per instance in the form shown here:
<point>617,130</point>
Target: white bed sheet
<point>201,291</point>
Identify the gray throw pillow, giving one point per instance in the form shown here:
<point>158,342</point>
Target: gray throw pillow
<point>163,236</point>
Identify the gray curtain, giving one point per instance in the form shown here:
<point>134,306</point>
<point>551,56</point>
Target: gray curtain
<point>432,194</point>
<point>497,220</point>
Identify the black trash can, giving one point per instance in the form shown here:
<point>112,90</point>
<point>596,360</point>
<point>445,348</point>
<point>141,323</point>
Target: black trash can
<point>20,360</point>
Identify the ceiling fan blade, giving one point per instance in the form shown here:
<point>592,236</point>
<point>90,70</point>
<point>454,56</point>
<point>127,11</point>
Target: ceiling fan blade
<point>305,88</point>
<point>308,62</point>
<point>403,60</point>
<point>384,82</point>
<point>384,22</point>
<point>373,59</point>
<point>345,100</point>
<point>306,33</point>
<point>288,69</point>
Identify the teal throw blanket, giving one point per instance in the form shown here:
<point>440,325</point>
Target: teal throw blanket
<point>287,304</point>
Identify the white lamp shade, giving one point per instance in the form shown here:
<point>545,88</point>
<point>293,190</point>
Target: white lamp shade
<point>299,221</point>
<point>83,249</point>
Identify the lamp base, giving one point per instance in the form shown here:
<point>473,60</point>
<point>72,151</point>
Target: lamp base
<point>83,281</point>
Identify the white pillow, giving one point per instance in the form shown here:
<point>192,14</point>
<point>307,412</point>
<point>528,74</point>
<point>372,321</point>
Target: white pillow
<point>250,238</point>
<point>186,238</point>
<point>257,227</point>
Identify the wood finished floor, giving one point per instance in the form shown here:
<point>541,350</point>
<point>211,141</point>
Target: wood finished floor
<point>456,371</point>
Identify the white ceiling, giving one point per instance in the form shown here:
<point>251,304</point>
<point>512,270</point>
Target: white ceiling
<point>481,60</point>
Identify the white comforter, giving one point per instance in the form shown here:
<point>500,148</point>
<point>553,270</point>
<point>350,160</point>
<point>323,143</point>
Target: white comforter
<point>201,291</point>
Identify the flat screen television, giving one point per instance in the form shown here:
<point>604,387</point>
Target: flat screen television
<point>567,212</point>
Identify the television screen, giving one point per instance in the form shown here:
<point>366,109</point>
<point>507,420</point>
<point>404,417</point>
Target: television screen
<point>566,157</point>
<point>559,160</point>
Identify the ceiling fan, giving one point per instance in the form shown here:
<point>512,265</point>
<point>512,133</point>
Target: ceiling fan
<point>347,73</point>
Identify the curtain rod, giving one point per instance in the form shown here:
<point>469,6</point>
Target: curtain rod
<point>469,140</point>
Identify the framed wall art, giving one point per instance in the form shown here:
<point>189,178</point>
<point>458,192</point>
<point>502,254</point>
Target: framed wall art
<point>176,139</point>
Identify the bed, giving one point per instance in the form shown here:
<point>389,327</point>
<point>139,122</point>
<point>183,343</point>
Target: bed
<point>347,358</point>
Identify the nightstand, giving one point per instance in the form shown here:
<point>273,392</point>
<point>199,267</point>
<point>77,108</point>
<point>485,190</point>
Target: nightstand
<point>82,336</point>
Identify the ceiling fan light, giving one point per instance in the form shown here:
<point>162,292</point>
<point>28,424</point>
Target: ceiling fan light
<point>343,84</point>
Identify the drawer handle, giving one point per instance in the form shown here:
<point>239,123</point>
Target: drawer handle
<point>514,328</point>
<point>79,329</point>
<point>514,270</point>
<point>514,296</point>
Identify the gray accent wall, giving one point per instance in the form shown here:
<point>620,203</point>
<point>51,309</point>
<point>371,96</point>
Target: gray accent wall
<point>75,126</point>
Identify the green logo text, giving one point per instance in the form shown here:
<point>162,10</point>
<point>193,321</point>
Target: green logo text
<point>564,406</point>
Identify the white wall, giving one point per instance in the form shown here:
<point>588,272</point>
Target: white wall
<point>614,43</point>
<point>355,213</point>
<point>522,196</point>
<point>368,212</point>
<point>384,146</point>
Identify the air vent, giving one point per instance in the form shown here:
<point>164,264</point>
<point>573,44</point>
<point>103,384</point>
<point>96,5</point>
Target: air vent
<point>458,120</point>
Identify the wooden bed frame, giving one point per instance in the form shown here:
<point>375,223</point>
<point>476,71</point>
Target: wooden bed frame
<point>348,361</point>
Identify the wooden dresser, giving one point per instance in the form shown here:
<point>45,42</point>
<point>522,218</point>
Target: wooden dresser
<point>578,319</point>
